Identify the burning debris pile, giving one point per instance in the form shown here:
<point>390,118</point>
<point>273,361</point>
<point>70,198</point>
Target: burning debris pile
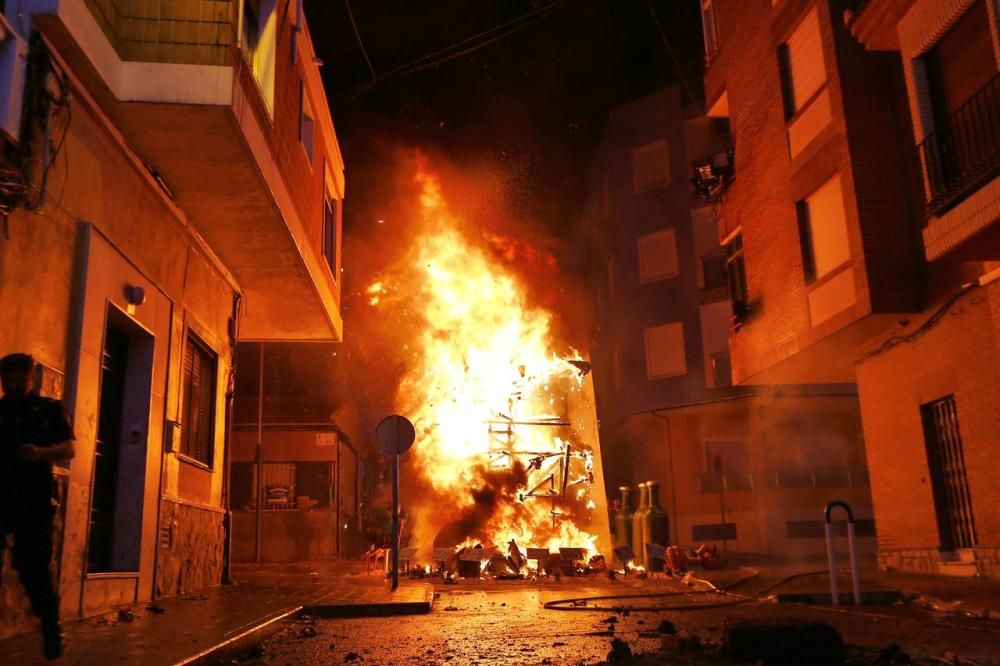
<point>506,450</point>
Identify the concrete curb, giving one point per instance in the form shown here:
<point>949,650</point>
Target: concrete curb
<point>341,611</point>
<point>242,641</point>
<point>381,609</point>
<point>263,630</point>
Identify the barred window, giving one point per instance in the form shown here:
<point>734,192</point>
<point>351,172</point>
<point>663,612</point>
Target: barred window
<point>198,401</point>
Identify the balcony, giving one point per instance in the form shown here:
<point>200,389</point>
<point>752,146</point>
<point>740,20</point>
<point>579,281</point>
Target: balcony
<point>963,154</point>
<point>192,92</point>
<point>191,33</point>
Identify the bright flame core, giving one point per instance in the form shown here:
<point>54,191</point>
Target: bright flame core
<point>490,393</point>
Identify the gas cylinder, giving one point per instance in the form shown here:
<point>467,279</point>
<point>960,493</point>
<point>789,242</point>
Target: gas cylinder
<point>623,519</point>
<point>656,522</point>
<point>639,526</point>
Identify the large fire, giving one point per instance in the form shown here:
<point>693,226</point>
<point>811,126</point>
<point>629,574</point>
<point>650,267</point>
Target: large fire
<point>506,437</point>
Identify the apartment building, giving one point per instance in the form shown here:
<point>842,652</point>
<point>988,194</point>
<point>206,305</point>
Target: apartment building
<point>172,188</point>
<point>749,468</point>
<point>821,207</point>
<point>930,386</point>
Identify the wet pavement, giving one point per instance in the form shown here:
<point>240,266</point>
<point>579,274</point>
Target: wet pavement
<point>177,630</point>
<point>506,623</point>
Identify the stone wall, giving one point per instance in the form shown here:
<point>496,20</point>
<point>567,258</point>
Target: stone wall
<point>190,550</point>
<point>921,560</point>
<point>927,560</point>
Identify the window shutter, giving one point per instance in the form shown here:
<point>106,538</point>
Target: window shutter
<point>827,233</point>
<point>657,256</point>
<point>806,68</point>
<point>650,166</point>
<point>665,351</point>
<point>197,427</point>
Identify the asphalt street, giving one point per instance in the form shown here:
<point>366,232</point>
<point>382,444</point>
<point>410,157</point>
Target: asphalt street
<point>508,624</point>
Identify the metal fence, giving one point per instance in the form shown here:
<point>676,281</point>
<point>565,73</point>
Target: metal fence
<point>963,153</point>
<point>193,32</point>
<point>819,477</point>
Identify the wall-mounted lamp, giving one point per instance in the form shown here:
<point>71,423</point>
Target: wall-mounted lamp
<point>134,297</point>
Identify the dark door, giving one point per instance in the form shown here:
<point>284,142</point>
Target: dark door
<point>949,482</point>
<point>114,362</point>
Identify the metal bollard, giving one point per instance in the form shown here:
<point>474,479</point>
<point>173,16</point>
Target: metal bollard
<point>832,557</point>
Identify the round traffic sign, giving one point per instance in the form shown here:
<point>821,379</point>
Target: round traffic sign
<point>394,434</point>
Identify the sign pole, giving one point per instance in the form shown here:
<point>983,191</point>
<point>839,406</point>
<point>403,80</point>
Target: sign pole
<point>394,435</point>
<point>395,522</point>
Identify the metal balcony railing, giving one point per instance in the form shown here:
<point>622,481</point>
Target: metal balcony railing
<point>190,32</point>
<point>732,482</point>
<point>964,153</point>
<point>819,477</point>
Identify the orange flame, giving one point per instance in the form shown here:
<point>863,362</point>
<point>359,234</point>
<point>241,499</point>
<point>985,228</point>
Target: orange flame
<point>490,394</point>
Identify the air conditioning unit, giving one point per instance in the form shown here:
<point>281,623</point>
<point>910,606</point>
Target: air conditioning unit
<point>13,58</point>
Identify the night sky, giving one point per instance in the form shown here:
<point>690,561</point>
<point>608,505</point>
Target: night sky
<point>524,111</point>
<point>532,103</point>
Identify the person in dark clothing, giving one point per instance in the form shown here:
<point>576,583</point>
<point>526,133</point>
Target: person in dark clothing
<point>34,433</point>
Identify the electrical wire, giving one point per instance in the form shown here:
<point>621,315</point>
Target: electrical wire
<point>670,50</point>
<point>361,42</point>
<point>931,322</point>
<point>448,53</point>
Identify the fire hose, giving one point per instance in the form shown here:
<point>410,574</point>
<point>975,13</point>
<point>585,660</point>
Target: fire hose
<point>584,603</point>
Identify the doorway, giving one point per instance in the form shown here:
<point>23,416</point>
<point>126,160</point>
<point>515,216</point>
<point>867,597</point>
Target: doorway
<point>119,476</point>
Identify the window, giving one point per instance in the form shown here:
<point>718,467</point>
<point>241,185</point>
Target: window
<point>816,529</point>
<point>803,83</point>
<point>736,269</point>
<point>650,166</point>
<point>198,402</point>
<point>961,63</point>
<point>823,231</point>
<point>330,232</point>
<point>665,351</point>
<point>727,467</point>
<point>962,140</point>
<point>307,125</point>
<point>657,256</point>
<point>251,34</point>
<point>710,29</point>
<point>803,72</point>
<point>287,485</point>
<point>713,532</point>
<point>296,28</point>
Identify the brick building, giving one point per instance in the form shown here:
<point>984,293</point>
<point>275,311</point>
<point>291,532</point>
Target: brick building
<point>819,200</point>
<point>865,208</point>
<point>930,386</point>
<point>767,457</point>
<point>172,189</point>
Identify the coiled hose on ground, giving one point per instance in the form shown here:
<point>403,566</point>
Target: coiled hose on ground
<point>584,603</point>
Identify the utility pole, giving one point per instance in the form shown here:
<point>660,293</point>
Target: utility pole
<point>259,458</point>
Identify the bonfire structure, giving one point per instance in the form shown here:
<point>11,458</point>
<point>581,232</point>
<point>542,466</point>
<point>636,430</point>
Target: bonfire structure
<point>506,464</point>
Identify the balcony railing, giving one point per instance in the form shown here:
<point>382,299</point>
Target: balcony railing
<point>819,477</point>
<point>731,482</point>
<point>190,32</point>
<point>964,153</point>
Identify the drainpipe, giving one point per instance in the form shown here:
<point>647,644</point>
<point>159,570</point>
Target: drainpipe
<point>337,499</point>
<point>670,465</point>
